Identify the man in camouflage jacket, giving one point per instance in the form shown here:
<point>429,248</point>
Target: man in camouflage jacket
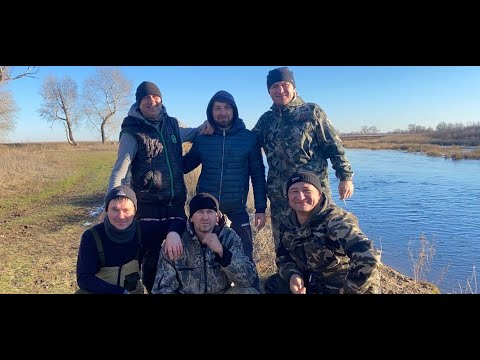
<point>212,259</point>
<point>322,250</point>
<point>298,136</point>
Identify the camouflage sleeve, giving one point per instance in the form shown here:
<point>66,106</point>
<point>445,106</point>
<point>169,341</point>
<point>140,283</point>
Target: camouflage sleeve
<point>258,130</point>
<point>332,145</point>
<point>285,264</point>
<point>363,272</point>
<point>166,281</point>
<point>256,169</point>
<point>241,270</point>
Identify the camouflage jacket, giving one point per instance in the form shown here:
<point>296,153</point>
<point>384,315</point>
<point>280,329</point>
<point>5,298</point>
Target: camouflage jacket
<point>199,270</point>
<point>329,252</point>
<point>299,137</point>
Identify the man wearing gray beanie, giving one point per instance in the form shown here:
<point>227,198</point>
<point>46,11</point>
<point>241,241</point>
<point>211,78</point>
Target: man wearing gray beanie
<point>297,136</point>
<point>322,249</point>
<point>150,161</point>
<point>111,253</point>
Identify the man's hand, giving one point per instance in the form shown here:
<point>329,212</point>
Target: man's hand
<point>173,247</point>
<point>260,221</point>
<point>206,128</point>
<point>345,189</point>
<point>297,286</point>
<point>211,240</point>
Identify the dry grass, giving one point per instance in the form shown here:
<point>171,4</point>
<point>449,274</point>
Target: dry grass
<point>471,286</point>
<point>46,202</point>
<point>19,166</point>
<point>420,143</point>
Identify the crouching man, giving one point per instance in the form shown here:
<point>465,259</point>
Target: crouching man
<point>213,256</point>
<point>110,254</point>
<point>322,249</point>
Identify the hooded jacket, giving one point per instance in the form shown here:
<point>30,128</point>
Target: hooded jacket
<point>229,158</point>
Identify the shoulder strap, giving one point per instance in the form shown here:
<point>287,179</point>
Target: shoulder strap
<point>98,241</point>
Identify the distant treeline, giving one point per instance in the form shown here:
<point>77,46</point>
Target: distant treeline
<point>465,135</point>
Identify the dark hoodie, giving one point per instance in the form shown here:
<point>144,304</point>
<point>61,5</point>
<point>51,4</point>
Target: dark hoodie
<point>228,158</point>
<point>225,97</point>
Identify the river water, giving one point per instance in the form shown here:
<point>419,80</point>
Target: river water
<point>401,197</point>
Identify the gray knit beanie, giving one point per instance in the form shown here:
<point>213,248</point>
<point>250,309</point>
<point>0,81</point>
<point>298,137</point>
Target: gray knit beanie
<point>121,190</point>
<point>146,88</point>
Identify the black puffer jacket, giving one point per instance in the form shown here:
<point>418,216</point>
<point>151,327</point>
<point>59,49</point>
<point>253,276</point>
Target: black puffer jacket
<point>157,175</point>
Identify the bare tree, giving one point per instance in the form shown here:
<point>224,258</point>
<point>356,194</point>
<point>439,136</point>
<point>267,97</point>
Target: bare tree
<point>364,129</point>
<point>105,95</point>
<point>7,73</point>
<point>8,108</point>
<point>373,130</point>
<point>61,103</point>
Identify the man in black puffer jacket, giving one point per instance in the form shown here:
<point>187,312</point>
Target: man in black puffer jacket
<point>229,158</point>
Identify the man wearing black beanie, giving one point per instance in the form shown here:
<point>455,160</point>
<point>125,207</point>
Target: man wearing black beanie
<point>322,249</point>
<point>231,159</point>
<point>297,136</point>
<point>213,256</point>
<point>150,160</point>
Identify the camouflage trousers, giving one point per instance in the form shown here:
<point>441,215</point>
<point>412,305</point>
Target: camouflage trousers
<point>276,285</point>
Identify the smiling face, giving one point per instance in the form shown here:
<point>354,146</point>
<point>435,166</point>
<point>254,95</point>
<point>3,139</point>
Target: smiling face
<point>121,212</point>
<point>282,92</point>
<point>303,197</point>
<point>150,106</point>
<point>222,113</point>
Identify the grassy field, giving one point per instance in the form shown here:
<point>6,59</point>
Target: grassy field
<point>51,193</point>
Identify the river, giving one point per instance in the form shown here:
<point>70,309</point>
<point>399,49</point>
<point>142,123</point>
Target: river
<point>401,197</point>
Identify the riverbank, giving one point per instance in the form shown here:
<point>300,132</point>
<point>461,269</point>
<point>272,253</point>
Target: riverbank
<point>51,194</point>
<point>419,143</point>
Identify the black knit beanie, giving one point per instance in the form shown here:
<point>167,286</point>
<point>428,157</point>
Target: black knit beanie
<point>146,88</point>
<point>306,177</point>
<point>279,74</point>
<point>121,190</point>
<point>202,201</point>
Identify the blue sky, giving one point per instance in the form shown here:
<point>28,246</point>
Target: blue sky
<point>388,97</point>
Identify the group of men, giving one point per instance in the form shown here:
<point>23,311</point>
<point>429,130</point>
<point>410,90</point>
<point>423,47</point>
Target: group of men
<point>147,244</point>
